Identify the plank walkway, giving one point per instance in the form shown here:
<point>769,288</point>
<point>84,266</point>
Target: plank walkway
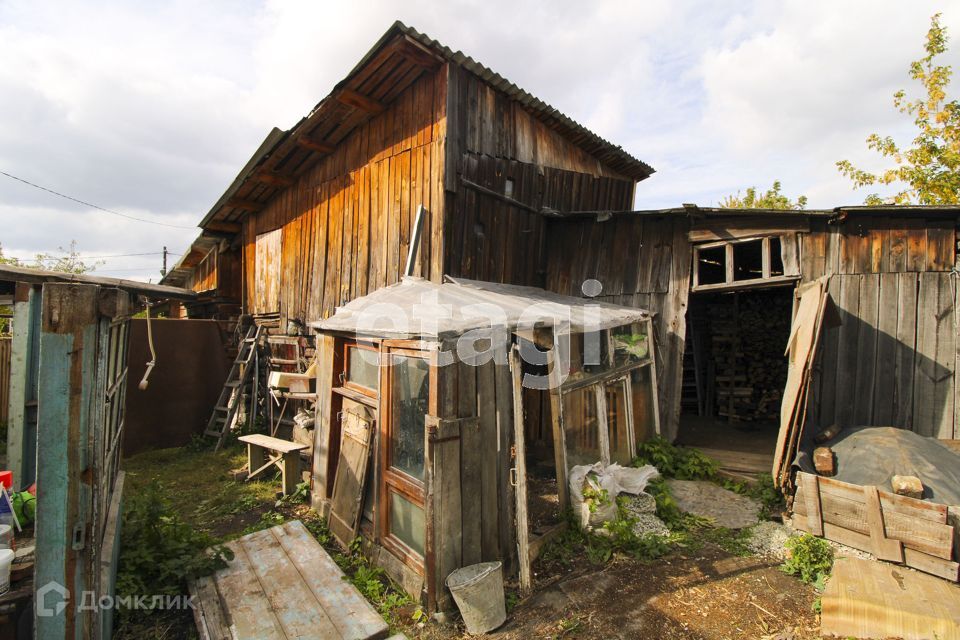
<point>282,584</point>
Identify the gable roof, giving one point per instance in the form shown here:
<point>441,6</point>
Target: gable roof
<point>394,63</point>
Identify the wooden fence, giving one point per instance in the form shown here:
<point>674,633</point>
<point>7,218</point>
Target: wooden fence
<point>5,350</point>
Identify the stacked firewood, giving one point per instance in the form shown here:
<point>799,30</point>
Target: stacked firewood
<point>748,337</point>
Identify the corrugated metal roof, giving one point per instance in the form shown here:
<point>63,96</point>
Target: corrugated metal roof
<point>418,308</point>
<point>38,276</point>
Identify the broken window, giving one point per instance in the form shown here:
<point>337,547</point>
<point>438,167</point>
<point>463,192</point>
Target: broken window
<point>732,264</point>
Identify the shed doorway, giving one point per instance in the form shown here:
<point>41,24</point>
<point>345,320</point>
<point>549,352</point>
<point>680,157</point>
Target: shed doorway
<point>734,371</point>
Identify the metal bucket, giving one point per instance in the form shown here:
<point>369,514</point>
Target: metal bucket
<point>478,592</point>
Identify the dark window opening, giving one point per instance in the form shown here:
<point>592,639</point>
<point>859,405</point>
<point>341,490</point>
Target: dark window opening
<point>748,260</point>
<point>711,266</point>
<point>776,258</point>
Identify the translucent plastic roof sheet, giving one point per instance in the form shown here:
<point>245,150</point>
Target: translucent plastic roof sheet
<point>416,307</point>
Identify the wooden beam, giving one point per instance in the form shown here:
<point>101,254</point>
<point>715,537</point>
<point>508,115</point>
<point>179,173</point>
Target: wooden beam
<point>226,227</point>
<point>312,144</point>
<point>272,179</point>
<point>359,101</point>
<point>415,53</point>
<point>246,205</point>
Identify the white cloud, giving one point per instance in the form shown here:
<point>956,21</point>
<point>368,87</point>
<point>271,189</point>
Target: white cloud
<point>152,109</point>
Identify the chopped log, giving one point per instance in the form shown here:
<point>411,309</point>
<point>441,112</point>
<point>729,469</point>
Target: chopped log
<point>907,486</point>
<point>827,434</point>
<point>824,461</point>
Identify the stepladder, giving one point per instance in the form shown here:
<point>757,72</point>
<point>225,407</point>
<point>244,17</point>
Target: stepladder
<point>227,409</point>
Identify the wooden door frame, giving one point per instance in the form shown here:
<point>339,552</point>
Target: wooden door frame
<point>395,480</point>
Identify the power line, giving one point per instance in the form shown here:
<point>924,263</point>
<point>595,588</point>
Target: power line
<point>118,255</point>
<point>87,204</point>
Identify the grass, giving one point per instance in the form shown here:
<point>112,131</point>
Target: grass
<point>197,483</point>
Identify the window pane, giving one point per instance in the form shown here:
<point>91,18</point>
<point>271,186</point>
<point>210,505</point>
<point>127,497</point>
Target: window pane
<point>617,424</point>
<point>630,344</point>
<point>711,265</point>
<point>748,260</point>
<point>409,397</point>
<point>362,368</point>
<point>581,426</point>
<point>776,257</point>
<point>641,386</point>
<point>406,522</point>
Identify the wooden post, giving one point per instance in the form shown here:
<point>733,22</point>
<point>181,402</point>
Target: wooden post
<point>520,473</point>
<point>24,367</point>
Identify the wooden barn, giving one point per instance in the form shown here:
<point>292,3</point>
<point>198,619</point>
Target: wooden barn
<point>424,162</point>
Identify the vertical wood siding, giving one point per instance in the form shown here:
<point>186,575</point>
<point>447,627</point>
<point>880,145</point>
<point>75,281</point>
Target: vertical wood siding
<point>490,123</point>
<point>641,262</point>
<point>892,360</point>
<point>346,223</point>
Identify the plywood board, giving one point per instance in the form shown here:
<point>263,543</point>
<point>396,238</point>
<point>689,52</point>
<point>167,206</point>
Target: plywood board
<point>801,349</point>
<point>866,599</point>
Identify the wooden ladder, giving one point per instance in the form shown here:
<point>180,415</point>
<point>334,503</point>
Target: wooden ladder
<point>228,404</point>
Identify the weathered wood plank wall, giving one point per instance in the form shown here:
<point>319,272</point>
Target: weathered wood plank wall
<point>204,275</point>
<point>641,262</point>
<point>346,222</point>
<point>487,498</point>
<point>892,360</point>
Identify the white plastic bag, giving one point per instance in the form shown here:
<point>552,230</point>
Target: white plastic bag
<point>614,480</point>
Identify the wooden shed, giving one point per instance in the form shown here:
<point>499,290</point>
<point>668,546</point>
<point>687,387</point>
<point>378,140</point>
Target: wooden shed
<point>723,285</point>
<point>436,380</point>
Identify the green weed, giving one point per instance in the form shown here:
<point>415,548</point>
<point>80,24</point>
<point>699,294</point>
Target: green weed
<point>159,551</point>
<point>809,558</point>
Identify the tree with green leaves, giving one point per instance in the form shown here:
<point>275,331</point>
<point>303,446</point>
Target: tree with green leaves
<point>928,172</point>
<point>66,261</point>
<point>69,262</point>
<point>772,198</point>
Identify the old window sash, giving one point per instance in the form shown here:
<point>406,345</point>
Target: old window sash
<point>726,264</point>
<point>598,386</point>
<point>355,373</point>
<point>398,487</point>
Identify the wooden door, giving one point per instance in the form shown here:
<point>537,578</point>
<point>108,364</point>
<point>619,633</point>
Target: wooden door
<point>267,282</point>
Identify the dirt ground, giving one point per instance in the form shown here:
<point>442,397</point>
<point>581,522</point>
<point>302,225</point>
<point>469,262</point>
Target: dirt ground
<point>703,595</point>
<point>709,595</point>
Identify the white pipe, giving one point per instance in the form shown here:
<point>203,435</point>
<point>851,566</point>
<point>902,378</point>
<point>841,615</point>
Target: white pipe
<point>153,353</point>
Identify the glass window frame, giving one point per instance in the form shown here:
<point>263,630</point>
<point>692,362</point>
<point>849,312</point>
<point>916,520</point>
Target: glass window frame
<point>394,480</point>
<point>347,383</point>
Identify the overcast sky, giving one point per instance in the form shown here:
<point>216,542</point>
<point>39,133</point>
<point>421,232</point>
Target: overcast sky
<point>151,109</point>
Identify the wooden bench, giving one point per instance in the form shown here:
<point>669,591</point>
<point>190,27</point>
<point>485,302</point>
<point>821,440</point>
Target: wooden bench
<point>264,452</point>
